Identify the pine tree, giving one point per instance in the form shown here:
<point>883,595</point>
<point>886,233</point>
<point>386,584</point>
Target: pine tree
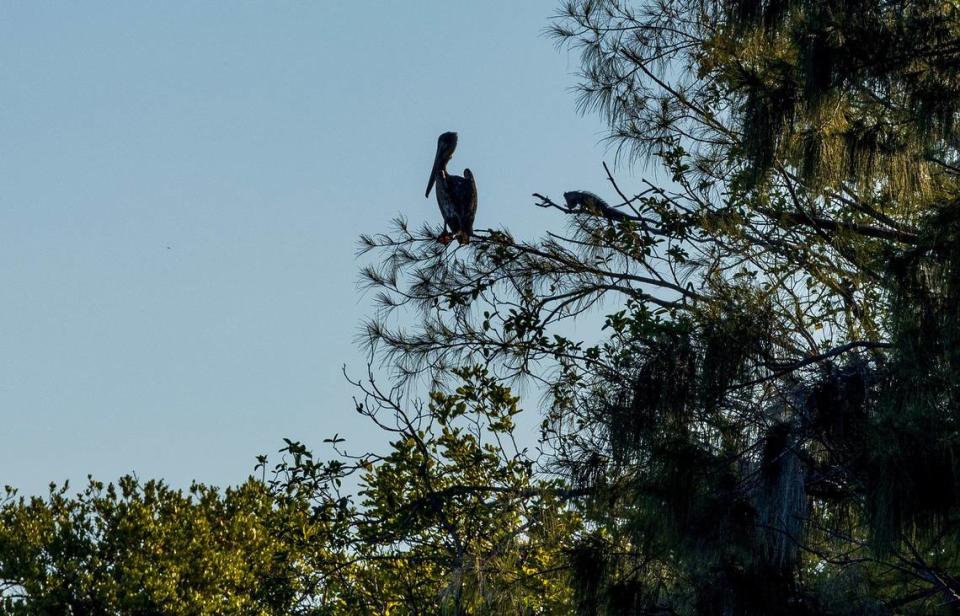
<point>771,424</point>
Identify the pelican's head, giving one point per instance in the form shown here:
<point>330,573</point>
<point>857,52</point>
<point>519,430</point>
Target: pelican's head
<point>446,144</point>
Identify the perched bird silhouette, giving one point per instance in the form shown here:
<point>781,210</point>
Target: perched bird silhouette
<point>581,200</point>
<point>456,195</point>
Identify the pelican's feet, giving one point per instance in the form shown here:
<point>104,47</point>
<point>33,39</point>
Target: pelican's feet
<point>445,238</point>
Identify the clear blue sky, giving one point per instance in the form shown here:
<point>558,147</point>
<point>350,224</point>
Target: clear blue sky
<point>181,188</point>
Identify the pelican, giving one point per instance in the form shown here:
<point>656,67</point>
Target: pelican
<point>456,195</point>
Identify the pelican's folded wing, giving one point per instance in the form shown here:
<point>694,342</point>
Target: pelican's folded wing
<point>463,193</point>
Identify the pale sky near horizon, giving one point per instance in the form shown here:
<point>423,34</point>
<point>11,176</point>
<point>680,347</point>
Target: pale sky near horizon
<point>181,189</point>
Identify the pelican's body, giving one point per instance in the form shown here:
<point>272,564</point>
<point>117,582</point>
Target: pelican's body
<point>456,195</point>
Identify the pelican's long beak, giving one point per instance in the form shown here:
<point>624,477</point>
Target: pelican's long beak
<point>430,181</point>
<point>437,164</point>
